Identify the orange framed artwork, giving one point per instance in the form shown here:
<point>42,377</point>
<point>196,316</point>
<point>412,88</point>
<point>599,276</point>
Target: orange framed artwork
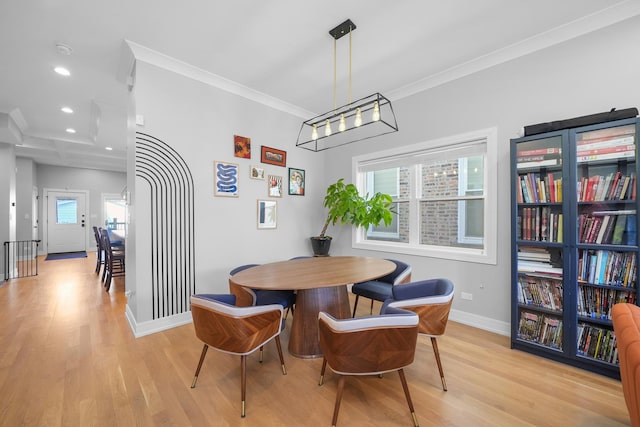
<point>273,156</point>
<point>242,146</point>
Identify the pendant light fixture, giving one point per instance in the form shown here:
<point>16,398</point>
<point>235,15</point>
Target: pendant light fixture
<point>364,118</point>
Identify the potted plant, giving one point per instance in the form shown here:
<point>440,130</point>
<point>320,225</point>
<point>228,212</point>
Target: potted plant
<point>347,206</point>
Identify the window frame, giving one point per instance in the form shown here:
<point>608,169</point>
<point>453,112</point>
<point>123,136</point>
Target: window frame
<point>395,156</point>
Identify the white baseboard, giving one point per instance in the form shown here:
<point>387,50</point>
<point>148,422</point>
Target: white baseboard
<point>481,322</point>
<point>152,326</point>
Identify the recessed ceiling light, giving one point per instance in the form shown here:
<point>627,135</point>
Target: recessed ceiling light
<point>108,148</point>
<point>71,130</point>
<point>62,71</point>
<point>66,110</point>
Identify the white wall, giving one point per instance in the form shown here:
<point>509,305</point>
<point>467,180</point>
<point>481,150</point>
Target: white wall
<point>586,75</point>
<point>7,197</point>
<point>591,74</point>
<point>25,181</point>
<point>199,122</point>
<point>96,182</point>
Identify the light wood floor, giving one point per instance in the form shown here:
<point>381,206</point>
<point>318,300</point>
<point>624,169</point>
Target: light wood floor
<point>68,357</point>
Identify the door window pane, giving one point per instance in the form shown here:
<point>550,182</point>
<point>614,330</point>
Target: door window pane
<point>66,211</point>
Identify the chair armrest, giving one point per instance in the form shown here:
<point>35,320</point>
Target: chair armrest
<point>233,310</point>
<point>423,288</point>
<point>400,318</point>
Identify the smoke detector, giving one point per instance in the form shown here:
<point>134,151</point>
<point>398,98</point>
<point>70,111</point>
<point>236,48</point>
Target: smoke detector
<point>64,49</point>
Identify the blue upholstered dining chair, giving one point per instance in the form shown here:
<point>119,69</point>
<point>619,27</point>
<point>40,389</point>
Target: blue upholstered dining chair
<point>370,345</point>
<point>218,323</point>
<point>248,297</point>
<point>431,299</point>
<point>114,260</point>
<point>380,289</point>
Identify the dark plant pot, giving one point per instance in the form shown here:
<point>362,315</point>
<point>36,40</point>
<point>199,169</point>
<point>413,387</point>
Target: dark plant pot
<point>321,245</point>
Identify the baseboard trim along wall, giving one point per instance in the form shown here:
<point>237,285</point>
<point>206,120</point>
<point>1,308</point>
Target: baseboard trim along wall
<point>481,322</point>
<point>157,325</point>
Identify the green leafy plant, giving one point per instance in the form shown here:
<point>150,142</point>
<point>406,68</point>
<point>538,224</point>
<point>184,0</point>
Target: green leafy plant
<point>347,206</point>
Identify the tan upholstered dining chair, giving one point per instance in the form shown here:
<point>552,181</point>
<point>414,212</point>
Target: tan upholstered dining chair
<point>369,345</point>
<point>220,324</point>
<point>431,299</point>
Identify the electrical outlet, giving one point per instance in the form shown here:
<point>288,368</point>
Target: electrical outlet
<point>466,295</point>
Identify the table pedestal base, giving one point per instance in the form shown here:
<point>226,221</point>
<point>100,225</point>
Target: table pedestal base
<point>303,340</point>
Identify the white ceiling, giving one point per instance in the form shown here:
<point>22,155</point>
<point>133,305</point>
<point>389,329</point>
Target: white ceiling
<point>280,48</point>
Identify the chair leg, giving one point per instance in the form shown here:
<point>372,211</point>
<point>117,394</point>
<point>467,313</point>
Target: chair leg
<point>284,369</point>
<point>405,387</point>
<point>338,400</point>
<point>289,309</point>
<point>434,343</point>
<point>324,366</point>
<point>98,261</point>
<point>202,355</point>
<point>355,305</point>
<point>371,308</point>
<point>107,283</point>
<point>261,353</point>
<point>243,379</point>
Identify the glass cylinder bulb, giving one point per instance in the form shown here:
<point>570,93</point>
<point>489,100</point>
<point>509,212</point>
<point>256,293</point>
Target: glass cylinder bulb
<point>358,121</point>
<point>375,116</point>
<point>327,128</point>
<point>314,133</point>
<point>343,124</point>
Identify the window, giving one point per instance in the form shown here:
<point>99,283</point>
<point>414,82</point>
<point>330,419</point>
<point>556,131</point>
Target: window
<point>443,197</point>
<point>66,211</point>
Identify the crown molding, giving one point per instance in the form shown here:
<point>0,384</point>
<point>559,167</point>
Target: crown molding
<point>150,56</point>
<point>587,24</point>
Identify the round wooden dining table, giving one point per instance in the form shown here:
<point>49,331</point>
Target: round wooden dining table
<point>320,283</point>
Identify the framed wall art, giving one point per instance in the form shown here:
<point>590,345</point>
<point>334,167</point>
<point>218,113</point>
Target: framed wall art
<point>296,182</point>
<point>225,179</point>
<point>267,214</point>
<point>242,146</point>
<point>256,172</point>
<point>274,184</point>
<point>273,156</point>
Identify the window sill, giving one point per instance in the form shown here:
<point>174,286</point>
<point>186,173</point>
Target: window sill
<point>480,256</point>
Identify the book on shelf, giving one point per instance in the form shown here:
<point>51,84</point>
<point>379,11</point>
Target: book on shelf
<point>629,236</point>
<point>603,267</point>
<point>604,134</point>
<point>606,142</point>
<point>525,266</point>
<point>603,228</point>
<point>597,343</point>
<point>539,151</point>
<point>539,163</point>
<point>541,329</point>
<point>607,156</point>
<point>618,230</point>
<point>540,291</point>
<point>533,253</point>
<point>605,150</point>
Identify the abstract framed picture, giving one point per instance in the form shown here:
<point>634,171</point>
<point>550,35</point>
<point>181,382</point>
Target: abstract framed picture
<point>242,146</point>
<point>256,172</point>
<point>274,186</point>
<point>296,182</point>
<point>267,214</point>
<point>225,179</point>
<point>273,156</point>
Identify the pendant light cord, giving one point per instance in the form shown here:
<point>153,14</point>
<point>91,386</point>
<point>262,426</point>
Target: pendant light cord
<point>335,104</point>
<point>350,66</point>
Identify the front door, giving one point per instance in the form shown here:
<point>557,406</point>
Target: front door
<point>66,231</point>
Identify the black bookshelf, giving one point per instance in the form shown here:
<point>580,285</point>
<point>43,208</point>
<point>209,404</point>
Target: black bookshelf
<point>574,216</point>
